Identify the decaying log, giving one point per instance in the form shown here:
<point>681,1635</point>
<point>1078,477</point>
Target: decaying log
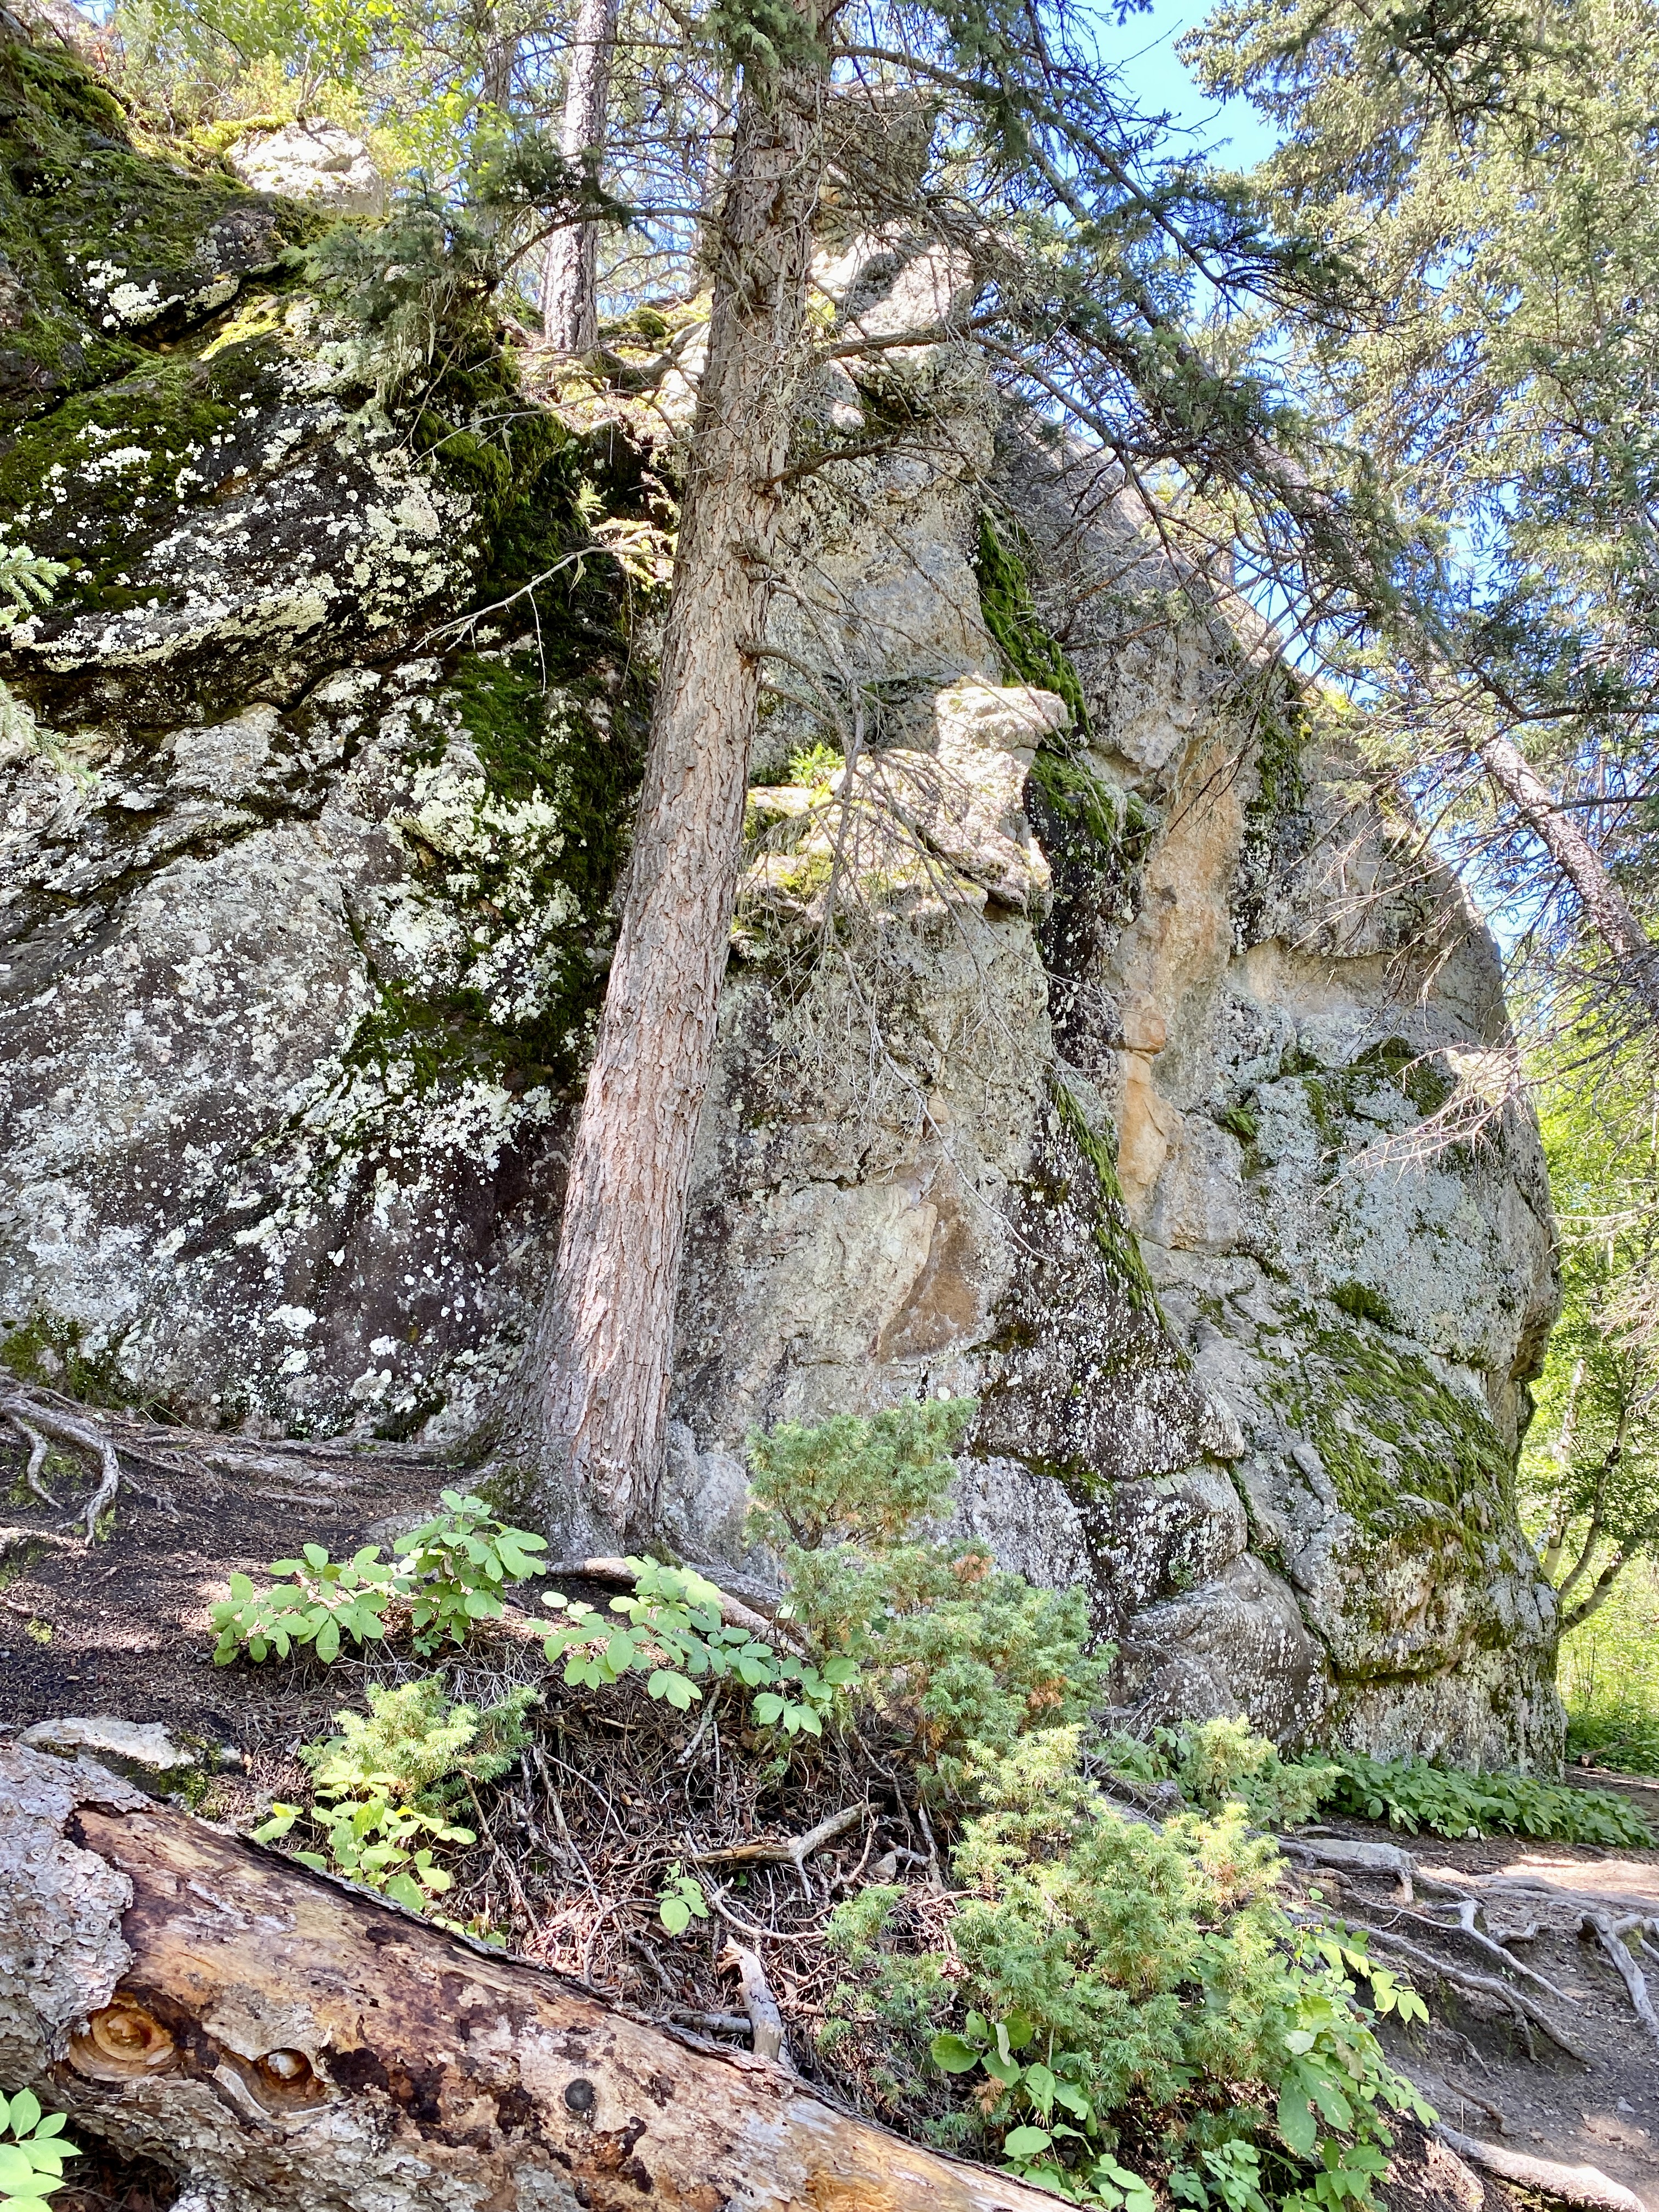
<point>284,2041</point>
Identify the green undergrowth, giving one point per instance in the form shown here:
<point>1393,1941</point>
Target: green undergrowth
<point>1219,1760</point>
<point>1119,2009</point>
<point>1609,1676</point>
<point>1414,1794</point>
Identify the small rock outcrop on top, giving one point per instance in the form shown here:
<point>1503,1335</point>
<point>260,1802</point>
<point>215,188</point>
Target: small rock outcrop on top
<point>1097,1040</point>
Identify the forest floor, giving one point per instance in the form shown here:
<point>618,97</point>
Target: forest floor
<point>571,1858</point>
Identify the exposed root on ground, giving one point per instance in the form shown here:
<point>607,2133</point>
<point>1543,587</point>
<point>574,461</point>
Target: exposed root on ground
<point>1585,2186</point>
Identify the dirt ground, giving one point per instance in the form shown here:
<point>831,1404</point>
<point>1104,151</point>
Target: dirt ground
<point>120,1628</point>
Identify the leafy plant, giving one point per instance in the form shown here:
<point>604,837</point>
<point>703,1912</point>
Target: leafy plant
<point>317,1600</point>
<point>455,1565</point>
<point>675,1633</point>
<point>452,1572</point>
<point>370,1840</point>
<point>386,1785</point>
<point>1412,1794</point>
<point>32,2153</point>
<point>1035,2148</point>
<point>681,1901</point>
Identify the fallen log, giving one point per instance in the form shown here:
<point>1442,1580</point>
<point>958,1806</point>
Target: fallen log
<point>284,2041</point>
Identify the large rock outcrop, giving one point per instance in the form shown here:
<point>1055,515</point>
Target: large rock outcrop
<point>1110,1058</point>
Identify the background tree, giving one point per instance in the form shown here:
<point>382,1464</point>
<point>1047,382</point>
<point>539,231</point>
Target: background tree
<point>1590,1470</point>
<point>1088,257</point>
<point>1490,173</point>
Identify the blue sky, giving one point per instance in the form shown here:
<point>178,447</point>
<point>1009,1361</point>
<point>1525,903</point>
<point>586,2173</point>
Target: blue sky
<point>1144,50</point>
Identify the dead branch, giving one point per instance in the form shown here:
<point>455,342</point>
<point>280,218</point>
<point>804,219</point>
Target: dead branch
<point>791,1851</point>
<point>765,2019</point>
<point>1584,2186</point>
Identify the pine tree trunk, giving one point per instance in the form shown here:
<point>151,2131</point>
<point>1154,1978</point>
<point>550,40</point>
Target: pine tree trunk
<point>1634,954</point>
<point>597,1380</point>
<point>570,268</point>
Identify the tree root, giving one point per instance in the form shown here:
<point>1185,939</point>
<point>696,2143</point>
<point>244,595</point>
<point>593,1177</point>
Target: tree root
<point>1523,2006</point>
<point>30,1418</point>
<point>1611,1934</point>
<point>1465,1927</point>
<point>1585,2186</point>
<point>38,1449</point>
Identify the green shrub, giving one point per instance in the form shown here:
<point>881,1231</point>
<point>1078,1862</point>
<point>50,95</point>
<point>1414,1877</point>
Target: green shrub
<point>1412,1794</point>
<point>386,1785</point>
<point>952,1654</point>
<point>414,1746</point>
<point>32,2152</point>
<point>815,765</point>
<point>853,1479</point>
<point>450,1573</point>
<point>1150,1972</point>
<point>1218,1760</point>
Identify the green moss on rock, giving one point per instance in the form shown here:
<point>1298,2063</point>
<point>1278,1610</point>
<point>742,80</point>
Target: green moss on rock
<point>1111,1230</point>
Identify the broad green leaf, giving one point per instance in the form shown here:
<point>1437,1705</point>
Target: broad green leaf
<point>1297,2123</point>
<point>1026,2142</point>
<point>953,2054</point>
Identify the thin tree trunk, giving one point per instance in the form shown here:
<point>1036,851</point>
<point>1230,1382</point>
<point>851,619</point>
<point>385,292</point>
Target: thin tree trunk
<point>285,2044</point>
<point>570,267</point>
<point>598,1374</point>
<point>1602,1589</point>
<point>1556,1535</point>
<point>1603,903</point>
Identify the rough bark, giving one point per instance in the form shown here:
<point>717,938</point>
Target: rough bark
<point>288,2043</point>
<point>598,1372</point>
<point>570,264</point>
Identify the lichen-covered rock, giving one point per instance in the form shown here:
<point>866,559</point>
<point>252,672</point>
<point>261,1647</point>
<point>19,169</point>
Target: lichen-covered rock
<point>311,161</point>
<point>1120,1058</point>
